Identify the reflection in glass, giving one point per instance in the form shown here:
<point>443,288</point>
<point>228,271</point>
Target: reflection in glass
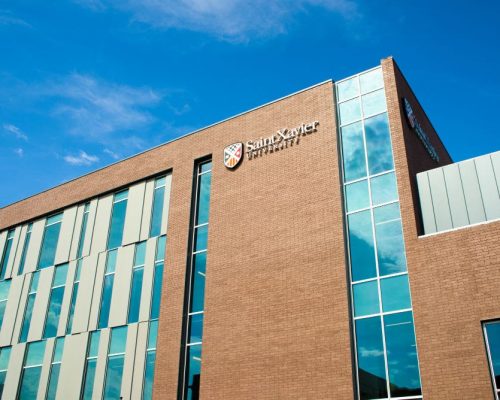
<point>25,250</point>
<point>114,372</point>
<point>357,195</point>
<point>365,298</point>
<point>384,188</point>
<point>195,328</point>
<point>378,143</point>
<point>107,293</point>
<point>88,385</point>
<point>350,111</point>
<point>347,89</point>
<point>371,365</point>
<point>404,376</point>
<point>373,103</point>
<point>157,283</point>
<point>4,363</point>
<point>156,216</point>
<point>4,295</point>
<point>493,337</point>
<point>49,245</point>
<point>203,199</point>
<point>201,236</point>
<point>31,371</point>
<point>390,244</point>
<point>135,295</point>
<point>395,293</point>
<point>81,240</point>
<point>353,152</point>
<point>361,246</point>
<point>193,372</point>
<point>149,374</point>
<point>117,220</point>
<point>198,282</point>
<point>53,313</point>
<point>6,253</point>
<point>371,80</point>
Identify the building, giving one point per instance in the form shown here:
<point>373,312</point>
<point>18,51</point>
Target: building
<point>303,250</point>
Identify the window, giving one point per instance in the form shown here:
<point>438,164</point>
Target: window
<point>136,289</point>
<point>158,277</point>
<point>25,249</point>
<point>74,294</point>
<point>4,294</point>
<point>149,369</point>
<point>55,301</point>
<point>49,242</point>
<point>90,365</point>
<point>492,338</point>
<point>4,363</point>
<point>117,219</point>
<point>32,368</point>
<point>6,253</point>
<point>81,240</point>
<point>114,368</point>
<point>107,289</point>
<point>193,318</point>
<point>158,201</point>
<point>55,367</point>
<point>30,302</point>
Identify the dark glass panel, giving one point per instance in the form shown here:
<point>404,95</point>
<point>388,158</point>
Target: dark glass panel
<point>195,328</point>
<point>198,282</point>
<point>200,238</point>
<point>493,333</point>
<point>361,246</point>
<point>193,372</point>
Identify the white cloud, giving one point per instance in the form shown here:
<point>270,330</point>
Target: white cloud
<point>232,20</point>
<point>112,154</point>
<point>19,152</point>
<point>81,159</point>
<point>7,18</point>
<point>16,131</point>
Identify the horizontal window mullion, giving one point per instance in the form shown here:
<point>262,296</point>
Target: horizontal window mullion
<point>382,314</point>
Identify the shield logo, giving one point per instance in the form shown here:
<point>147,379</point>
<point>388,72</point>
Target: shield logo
<point>233,155</point>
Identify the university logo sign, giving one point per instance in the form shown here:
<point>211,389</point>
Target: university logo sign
<point>233,155</point>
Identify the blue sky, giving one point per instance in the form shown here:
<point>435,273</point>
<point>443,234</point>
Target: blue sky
<point>84,83</point>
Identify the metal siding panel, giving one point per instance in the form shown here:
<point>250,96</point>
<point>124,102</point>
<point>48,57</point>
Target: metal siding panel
<point>89,233</point>
<point>440,200</point>
<point>132,227</point>
<point>458,208</point>
<point>147,209</point>
<point>488,186</point>
<point>65,236</point>
<point>85,290</point>
<point>166,204</point>
<point>72,366</point>
<point>14,371</point>
<point>34,247</point>
<point>128,367</point>
<point>472,192</point>
<point>21,308</point>
<point>147,281</point>
<point>76,233</point>
<point>13,253</point>
<point>495,160</point>
<point>68,292</point>
<point>41,304</point>
<point>11,309</point>
<point>97,292</point>
<point>102,358</point>
<point>426,207</point>
<point>47,361</point>
<point>102,220</point>
<point>121,286</point>
<point>140,360</point>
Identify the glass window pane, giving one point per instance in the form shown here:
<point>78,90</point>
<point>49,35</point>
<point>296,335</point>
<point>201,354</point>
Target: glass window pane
<point>493,336</point>
<point>153,334</point>
<point>361,246</point>
<point>203,199</point>
<point>378,143</point>
<point>390,246</point>
<point>111,261</point>
<point>72,308</point>
<point>371,80</point>
<point>373,103</point>
<point>81,240</point>
<point>117,223</point>
<point>207,166</point>
<point>25,251</point>
<point>195,328</point>
<point>54,218</point>
<point>135,295</point>
<point>3,305</point>
<point>58,350</point>
<point>107,293</point>
<point>88,385</point>
<point>140,254</point>
<point>347,89</point>
<point>365,298</point>
<point>357,196</point>
<point>349,111</point>
<point>27,318</point>
<point>149,375</point>
<point>384,188</point>
<point>157,283</point>
<point>53,313</point>
<point>159,182</point>
<point>160,248</point>
<point>6,254</point>
<point>404,373</point>
<point>29,384</point>
<point>35,353</point>
<point>198,287</point>
<point>94,343</point>
<point>353,152</point>
<point>3,375</point>
<point>386,213</point>
<point>53,380</point>
<point>60,274</point>
<point>120,196</point>
<point>49,245</point>
<point>395,293</point>
<point>371,365</point>
<point>201,236</point>
<point>4,358</point>
<point>118,340</point>
<point>114,373</point>
<point>4,290</point>
<point>156,216</point>
<point>193,372</point>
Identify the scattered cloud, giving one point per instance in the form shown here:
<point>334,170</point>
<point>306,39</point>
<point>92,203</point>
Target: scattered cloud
<point>81,159</point>
<point>112,154</point>
<point>231,20</point>
<point>19,152</point>
<point>16,131</point>
<point>7,18</point>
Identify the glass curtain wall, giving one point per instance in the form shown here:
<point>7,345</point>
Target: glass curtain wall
<point>114,367</point>
<point>55,368</point>
<point>107,289</point>
<point>74,294</point>
<point>149,369</point>
<point>136,287</point>
<point>492,337</point>
<point>193,318</point>
<point>158,201</point>
<point>117,219</point>
<point>4,295</point>
<point>55,302</point>
<point>386,353</point>
<point>32,369</point>
<point>6,253</point>
<point>49,242</point>
<point>90,365</point>
<point>4,362</point>
<point>28,311</point>
<point>25,249</point>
